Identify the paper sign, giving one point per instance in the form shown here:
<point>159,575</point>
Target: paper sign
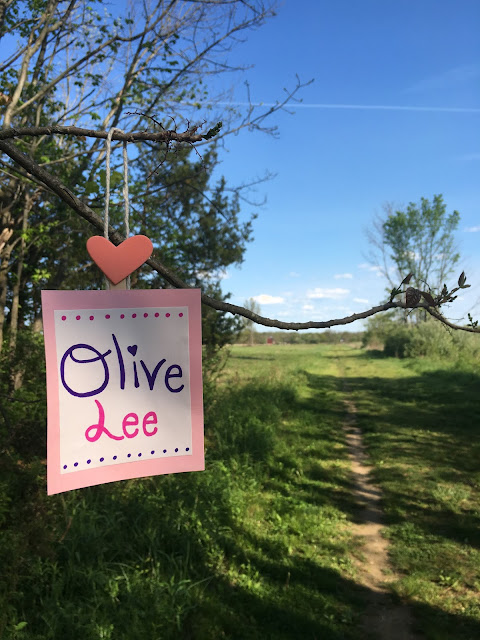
<point>124,385</point>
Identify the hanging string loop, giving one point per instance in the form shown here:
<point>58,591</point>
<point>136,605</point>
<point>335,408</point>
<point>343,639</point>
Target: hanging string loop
<point>126,201</point>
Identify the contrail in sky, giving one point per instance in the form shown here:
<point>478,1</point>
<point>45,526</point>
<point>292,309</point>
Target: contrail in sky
<point>365,107</point>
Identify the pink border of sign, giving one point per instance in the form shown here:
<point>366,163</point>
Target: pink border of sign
<point>53,300</point>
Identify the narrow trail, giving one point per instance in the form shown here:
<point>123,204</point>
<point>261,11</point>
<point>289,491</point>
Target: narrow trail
<point>383,619</point>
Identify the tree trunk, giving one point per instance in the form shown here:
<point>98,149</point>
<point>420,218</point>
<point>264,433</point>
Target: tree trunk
<point>16,286</point>
<point>5,261</point>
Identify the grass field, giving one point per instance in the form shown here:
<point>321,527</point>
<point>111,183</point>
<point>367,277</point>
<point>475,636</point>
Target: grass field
<point>421,421</point>
<point>259,546</point>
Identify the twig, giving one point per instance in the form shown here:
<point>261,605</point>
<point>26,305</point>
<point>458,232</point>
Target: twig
<point>190,130</point>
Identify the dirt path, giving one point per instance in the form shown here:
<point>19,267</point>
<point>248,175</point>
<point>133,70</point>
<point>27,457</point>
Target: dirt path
<point>384,619</point>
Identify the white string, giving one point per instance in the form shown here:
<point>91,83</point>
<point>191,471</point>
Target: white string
<point>107,183</point>
<point>126,201</point>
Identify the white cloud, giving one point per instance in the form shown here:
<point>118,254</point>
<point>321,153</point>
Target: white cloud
<point>308,307</point>
<point>472,229</point>
<point>334,294</point>
<point>370,267</point>
<point>361,300</point>
<point>342,275</point>
<point>265,298</point>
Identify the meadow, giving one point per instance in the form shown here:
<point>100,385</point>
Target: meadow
<point>260,544</point>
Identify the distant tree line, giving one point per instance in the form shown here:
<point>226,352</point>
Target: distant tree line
<point>298,337</point>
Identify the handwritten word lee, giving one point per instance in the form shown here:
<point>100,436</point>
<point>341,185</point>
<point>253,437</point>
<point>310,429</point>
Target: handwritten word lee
<point>172,371</point>
<point>94,431</point>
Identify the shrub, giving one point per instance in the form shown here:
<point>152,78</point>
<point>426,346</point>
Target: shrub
<point>432,339</point>
<point>398,341</point>
<point>379,327</point>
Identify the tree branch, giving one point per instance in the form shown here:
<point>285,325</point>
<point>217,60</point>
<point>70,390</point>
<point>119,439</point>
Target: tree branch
<point>167,135</point>
<point>90,216</point>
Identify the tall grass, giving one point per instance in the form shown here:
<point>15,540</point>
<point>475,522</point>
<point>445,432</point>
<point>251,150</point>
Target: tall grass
<point>259,545</point>
<point>421,424</point>
<point>252,547</point>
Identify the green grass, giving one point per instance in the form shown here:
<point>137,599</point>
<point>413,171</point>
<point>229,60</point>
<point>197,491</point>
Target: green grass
<point>421,420</point>
<point>259,545</point>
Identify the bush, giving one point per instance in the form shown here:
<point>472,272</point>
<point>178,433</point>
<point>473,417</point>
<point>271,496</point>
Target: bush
<point>430,338</point>
<point>467,345</point>
<point>398,341</point>
<point>379,327</point>
<point>433,339</point>
<point>23,409</point>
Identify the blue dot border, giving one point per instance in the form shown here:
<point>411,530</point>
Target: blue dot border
<point>129,457</point>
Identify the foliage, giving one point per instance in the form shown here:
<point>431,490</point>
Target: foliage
<point>195,227</point>
<point>378,328</point>
<point>436,341</point>
<point>302,337</point>
<point>76,63</point>
<point>249,325</point>
<point>398,341</point>
<point>427,339</point>
<point>421,240</point>
<point>23,410</point>
<point>418,240</point>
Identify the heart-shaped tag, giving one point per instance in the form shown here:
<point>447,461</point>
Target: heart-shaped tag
<point>119,262</point>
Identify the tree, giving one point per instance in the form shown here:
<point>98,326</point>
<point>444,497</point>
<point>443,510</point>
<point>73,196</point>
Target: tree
<point>71,62</point>
<point>417,240</point>
<point>252,305</point>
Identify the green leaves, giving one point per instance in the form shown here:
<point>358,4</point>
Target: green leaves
<point>419,239</point>
<point>211,133</point>
<point>116,178</point>
<point>20,626</point>
<point>472,323</point>
<point>90,188</point>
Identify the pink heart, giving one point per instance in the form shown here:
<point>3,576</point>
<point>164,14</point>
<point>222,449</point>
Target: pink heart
<point>119,262</point>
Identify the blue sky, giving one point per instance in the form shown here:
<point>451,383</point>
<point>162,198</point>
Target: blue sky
<point>393,115</point>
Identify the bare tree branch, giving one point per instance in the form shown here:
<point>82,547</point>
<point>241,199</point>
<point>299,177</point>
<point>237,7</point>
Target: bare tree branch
<point>167,135</point>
